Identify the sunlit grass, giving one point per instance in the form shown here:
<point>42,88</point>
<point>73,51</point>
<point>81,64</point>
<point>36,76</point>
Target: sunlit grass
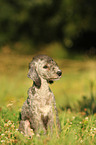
<point>73,85</point>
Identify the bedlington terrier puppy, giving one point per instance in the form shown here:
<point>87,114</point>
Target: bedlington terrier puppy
<point>39,112</point>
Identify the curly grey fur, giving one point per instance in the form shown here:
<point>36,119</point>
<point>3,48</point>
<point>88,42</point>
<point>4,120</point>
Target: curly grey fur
<point>39,111</point>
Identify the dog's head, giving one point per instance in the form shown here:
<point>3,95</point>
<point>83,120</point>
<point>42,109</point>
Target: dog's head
<point>43,66</point>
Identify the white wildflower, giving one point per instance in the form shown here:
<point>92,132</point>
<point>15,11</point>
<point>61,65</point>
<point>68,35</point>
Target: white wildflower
<point>22,132</point>
<point>32,132</point>
<point>38,135</point>
<point>9,122</point>
<point>2,134</point>
<point>95,129</point>
<point>16,129</point>
<point>2,140</point>
<point>81,141</point>
<point>6,137</point>
<point>91,132</point>
<point>73,117</point>
<point>86,118</point>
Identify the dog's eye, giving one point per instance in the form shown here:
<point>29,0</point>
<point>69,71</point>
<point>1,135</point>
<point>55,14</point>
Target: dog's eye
<point>45,66</point>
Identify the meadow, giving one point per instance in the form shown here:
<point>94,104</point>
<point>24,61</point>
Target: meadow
<point>75,95</point>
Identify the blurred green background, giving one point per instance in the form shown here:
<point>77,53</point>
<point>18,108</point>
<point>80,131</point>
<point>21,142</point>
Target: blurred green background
<point>27,25</point>
<point>64,30</point>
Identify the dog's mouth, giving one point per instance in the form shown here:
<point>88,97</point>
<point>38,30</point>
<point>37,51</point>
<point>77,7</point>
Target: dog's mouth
<point>50,81</point>
<point>57,77</point>
<point>53,79</point>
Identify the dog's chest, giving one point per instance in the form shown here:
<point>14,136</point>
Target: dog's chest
<point>44,103</point>
<point>44,99</point>
<point>46,106</point>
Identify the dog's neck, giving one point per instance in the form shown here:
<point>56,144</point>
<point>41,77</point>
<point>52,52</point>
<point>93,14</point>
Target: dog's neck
<point>44,88</point>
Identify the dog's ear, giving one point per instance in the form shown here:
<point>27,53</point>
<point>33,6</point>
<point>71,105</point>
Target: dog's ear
<point>33,75</point>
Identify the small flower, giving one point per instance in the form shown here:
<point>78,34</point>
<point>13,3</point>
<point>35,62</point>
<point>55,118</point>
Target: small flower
<point>86,118</point>
<point>95,129</point>
<point>2,134</point>
<point>6,125</point>
<point>81,141</point>
<point>6,137</point>
<point>22,132</point>
<point>2,140</point>
<point>73,117</point>
<point>38,135</point>
<point>91,132</point>
<point>13,125</point>
<point>16,129</point>
<point>9,122</point>
<point>85,109</point>
<point>32,132</point>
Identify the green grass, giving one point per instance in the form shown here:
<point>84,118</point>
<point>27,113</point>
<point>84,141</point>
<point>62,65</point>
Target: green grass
<point>78,121</point>
<point>76,129</point>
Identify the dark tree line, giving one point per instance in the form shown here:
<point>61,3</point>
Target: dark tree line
<point>71,22</point>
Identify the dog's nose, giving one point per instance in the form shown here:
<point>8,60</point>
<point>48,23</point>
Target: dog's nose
<point>59,73</point>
